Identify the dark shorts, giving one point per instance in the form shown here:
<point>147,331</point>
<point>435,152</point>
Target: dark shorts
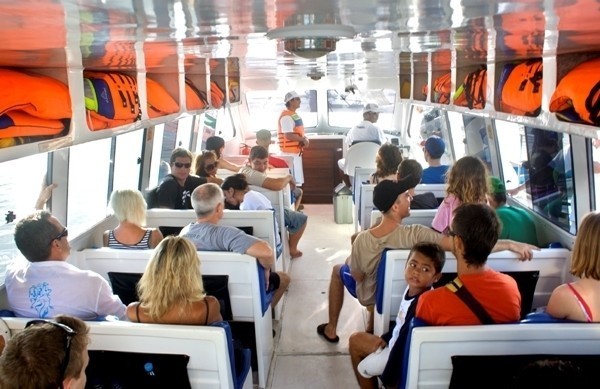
<point>347,280</point>
<point>274,281</point>
<point>293,220</point>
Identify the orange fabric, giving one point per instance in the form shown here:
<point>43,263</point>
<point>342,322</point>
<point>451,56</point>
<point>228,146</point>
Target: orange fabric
<point>118,101</point>
<point>579,89</point>
<point>496,292</point>
<point>441,88</point>
<point>195,98</point>
<point>18,123</point>
<point>217,95</point>
<point>285,145</point>
<point>473,91</point>
<point>34,94</point>
<point>160,102</point>
<point>521,94</point>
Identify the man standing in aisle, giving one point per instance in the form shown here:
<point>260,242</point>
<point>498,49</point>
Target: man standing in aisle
<point>290,134</point>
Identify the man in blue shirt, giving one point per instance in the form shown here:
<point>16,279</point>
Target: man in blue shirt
<point>433,149</point>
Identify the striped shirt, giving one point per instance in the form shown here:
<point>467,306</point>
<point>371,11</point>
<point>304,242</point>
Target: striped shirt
<point>144,243</point>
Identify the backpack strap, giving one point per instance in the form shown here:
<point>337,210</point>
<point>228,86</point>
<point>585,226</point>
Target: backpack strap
<point>456,286</point>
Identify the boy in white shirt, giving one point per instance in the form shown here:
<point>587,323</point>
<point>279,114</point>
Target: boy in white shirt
<point>370,353</point>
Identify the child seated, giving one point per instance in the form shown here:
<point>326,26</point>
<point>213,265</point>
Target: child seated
<point>370,353</point>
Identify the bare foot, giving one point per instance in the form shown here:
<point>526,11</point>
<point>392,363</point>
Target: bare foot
<point>295,254</point>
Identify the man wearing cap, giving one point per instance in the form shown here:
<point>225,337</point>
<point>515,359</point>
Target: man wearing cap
<point>516,223</point>
<point>290,134</point>
<point>433,149</point>
<point>365,131</point>
<point>263,139</point>
<point>359,274</point>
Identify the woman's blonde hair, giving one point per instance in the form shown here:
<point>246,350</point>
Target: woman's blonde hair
<point>467,180</point>
<point>129,204</point>
<point>586,251</point>
<point>171,278</point>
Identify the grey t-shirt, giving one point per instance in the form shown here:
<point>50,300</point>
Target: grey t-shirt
<point>213,237</point>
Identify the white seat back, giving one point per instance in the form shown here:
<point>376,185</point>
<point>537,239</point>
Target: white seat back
<point>360,155</point>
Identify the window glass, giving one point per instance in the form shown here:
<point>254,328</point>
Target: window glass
<point>184,131</point>
<point>128,157</point>
<point>21,181</point>
<point>89,165</point>
<point>596,169</point>
<point>159,162</point>
<point>542,161</point>
<point>266,107</point>
<point>345,108</point>
<point>425,122</point>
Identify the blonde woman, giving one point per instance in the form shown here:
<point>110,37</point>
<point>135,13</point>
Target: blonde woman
<point>580,300</point>
<point>171,289</point>
<point>129,207</point>
<point>467,184</point>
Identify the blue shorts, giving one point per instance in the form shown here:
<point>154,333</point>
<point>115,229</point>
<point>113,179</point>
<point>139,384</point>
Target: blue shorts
<point>347,280</point>
<point>293,220</point>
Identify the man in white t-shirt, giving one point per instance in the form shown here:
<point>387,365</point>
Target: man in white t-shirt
<point>365,131</point>
<point>46,285</point>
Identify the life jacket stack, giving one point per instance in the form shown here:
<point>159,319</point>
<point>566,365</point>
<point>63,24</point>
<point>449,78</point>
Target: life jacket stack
<point>520,88</point>
<point>111,99</point>
<point>32,107</point>
<point>577,95</point>
<point>160,102</point>
<point>195,99</point>
<point>473,92</point>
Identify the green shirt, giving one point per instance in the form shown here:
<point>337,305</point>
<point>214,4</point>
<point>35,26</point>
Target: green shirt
<point>517,225</point>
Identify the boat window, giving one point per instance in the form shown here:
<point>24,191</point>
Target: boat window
<point>184,131</point>
<point>345,108</point>
<point>89,165</point>
<point>162,146</point>
<point>425,122</point>
<point>542,162</point>
<point>21,181</point>
<point>265,107</point>
<point>128,160</point>
<point>595,151</point>
<point>469,137</point>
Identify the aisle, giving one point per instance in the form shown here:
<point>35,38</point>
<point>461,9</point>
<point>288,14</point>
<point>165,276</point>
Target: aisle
<point>303,359</point>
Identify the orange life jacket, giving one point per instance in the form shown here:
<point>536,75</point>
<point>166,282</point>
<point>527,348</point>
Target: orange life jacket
<point>194,98</point>
<point>111,99</point>
<point>441,88</point>
<point>521,88</point>
<point>160,102</point>
<point>19,124</point>
<point>34,94</point>
<point>472,93</point>
<point>290,146</point>
<point>217,95</point>
<point>579,91</point>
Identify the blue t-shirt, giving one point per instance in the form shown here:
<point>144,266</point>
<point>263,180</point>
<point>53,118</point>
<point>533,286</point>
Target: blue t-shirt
<point>213,237</point>
<point>434,175</point>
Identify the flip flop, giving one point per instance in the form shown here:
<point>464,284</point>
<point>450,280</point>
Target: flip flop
<point>321,331</point>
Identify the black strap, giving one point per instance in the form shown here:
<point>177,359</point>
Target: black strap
<point>456,286</point>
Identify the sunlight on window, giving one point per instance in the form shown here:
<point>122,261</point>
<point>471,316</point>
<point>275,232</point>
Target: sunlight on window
<point>21,181</point>
<point>265,107</point>
<point>128,156</point>
<point>345,109</point>
<point>87,198</point>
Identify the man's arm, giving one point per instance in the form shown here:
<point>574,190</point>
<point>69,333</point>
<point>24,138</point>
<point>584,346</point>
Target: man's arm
<point>278,183</point>
<point>263,253</point>
<point>524,250</point>
<point>109,303</point>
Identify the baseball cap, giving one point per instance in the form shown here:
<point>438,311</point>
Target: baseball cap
<point>387,191</point>
<point>371,107</point>
<point>435,146</point>
<point>496,185</point>
<point>290,95</point>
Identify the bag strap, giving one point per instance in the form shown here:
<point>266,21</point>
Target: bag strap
<point>456,286</point>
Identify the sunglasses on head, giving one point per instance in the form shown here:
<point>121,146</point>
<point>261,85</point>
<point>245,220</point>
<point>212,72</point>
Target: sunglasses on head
<point>69,334</point>
<point>179,165</point>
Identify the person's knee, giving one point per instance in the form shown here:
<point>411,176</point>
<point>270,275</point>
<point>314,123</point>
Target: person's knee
<point>284,280</point>
<point>353,341</point>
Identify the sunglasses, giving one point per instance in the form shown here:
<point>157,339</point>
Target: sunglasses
<point>179,165</point>
<point>69,334</point>
<point>210,167</point>
<point>61,235</point>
